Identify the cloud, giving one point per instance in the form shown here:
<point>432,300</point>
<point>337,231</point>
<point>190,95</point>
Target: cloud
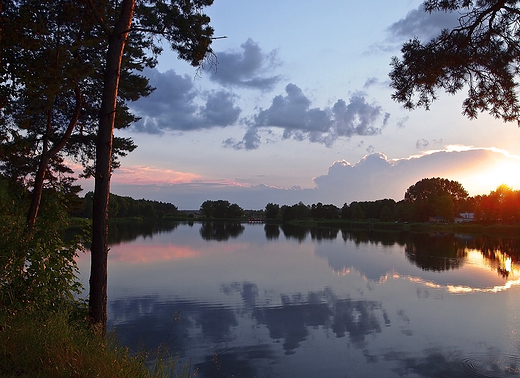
<point>293,114</point>
<point>371,81</point>
<point>174,105</point>
<point>401,123</point>
<point>220,109</point>
<point>422,143</point>
<point>247,68</point>
<point>373,177</point>
<point>377,177</point>
<point>423,25</point>
<point>150,175</point>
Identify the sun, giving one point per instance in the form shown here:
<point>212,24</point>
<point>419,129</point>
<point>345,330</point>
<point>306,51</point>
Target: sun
<point>484,178</point>
<point>507,172</point>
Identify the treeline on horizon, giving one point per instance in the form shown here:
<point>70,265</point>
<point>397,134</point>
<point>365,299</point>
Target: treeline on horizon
<point>431,197</point>
<point>437,199</point>
<point>128,207</point>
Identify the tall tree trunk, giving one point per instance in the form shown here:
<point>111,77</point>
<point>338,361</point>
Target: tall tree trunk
<point>47,154</point>
<point>99,248</point>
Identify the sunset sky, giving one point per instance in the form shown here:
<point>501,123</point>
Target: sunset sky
<point>299,108</point>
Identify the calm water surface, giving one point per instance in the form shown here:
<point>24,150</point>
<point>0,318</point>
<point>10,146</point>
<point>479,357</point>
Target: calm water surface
<point>265,301</point>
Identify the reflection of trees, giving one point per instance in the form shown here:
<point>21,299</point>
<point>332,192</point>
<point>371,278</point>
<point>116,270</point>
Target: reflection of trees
<point>374,237</point>
<point>220,231</point>
<point>128,231</point>
<point>324,233</point>
<point>300,233</point>
<point>489,245</point>
<point>437,253</point>
<point>272,231</point>
<point>297,232</point>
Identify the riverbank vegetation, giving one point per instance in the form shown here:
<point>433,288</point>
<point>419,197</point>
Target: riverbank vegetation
<point>59,344</point>
<point>44,327</point>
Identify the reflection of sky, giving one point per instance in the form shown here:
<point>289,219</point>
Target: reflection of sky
<point>286,308</point>
<point>378,262</point>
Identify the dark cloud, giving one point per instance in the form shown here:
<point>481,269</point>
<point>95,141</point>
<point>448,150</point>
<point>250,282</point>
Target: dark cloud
<point>220,109</point>
<point>174,105</point>
<point>293,114</point>
<point>423,25</point>
<point>246,68</point>
<point>250,141</point>
<point>422,143</point>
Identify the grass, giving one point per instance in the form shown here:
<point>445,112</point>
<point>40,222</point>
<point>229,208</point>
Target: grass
<point>59,345</point>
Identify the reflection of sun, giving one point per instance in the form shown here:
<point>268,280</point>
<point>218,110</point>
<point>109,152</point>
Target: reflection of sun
<point>499,261</point>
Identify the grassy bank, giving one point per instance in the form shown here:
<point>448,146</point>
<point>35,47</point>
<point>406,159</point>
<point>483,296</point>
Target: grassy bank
<point>59,344</point>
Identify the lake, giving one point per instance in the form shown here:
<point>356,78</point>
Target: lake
<point>256,300</point>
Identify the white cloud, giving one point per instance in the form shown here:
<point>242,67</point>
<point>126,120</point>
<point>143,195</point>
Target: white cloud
<point>373,177</point>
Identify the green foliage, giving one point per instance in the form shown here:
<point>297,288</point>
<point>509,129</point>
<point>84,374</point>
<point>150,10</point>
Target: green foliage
<point>272,210</point>
<point>46,117</point>
<point>128,207</point>
<point>427,195</point>
<point>38,267</point>
<point>480,53</point>
<point>321,211</point>
<point>296,211</point>
<point>386,214</point>
<point>500,205</point>
<point>357,213</point>
<point>59,345</point>
<point>221,209</point>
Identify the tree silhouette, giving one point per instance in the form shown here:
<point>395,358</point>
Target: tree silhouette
<point>482,53</point>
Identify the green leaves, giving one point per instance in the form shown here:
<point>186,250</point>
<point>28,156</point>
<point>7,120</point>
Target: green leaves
<point>38,269</point>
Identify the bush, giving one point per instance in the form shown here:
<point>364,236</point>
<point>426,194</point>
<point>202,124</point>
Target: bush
<point>38,267</point>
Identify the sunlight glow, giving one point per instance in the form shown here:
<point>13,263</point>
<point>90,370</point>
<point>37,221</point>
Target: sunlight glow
<point>485,176</point>
<point>501,173</point>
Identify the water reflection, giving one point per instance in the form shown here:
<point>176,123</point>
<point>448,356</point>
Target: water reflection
<point>272,231</point>
<point>220,231</point>
<point>240,300</point>
<point>130,230</point>
<point>182,323</point>
<point>435,252</point>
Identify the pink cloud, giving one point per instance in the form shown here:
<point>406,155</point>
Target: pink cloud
<point>149,175</point>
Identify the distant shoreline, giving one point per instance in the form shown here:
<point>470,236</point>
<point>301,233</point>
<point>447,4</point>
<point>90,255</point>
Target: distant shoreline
<point>472,228</point>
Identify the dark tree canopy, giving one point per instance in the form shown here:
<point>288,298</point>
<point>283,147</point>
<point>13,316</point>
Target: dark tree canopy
<point>220,209</point>
<point>429,189</point>
<point>482,53</point>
